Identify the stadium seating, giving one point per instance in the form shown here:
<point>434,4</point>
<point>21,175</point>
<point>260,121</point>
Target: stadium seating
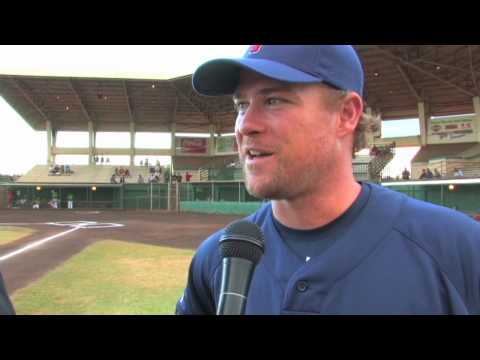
<point>94,174</point>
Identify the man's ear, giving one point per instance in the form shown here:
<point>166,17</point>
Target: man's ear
<point>350,112</point>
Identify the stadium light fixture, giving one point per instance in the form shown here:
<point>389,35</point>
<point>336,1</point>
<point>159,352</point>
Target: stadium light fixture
<point>39,188</point>
<point>94,188</point>
<point>451,187</point>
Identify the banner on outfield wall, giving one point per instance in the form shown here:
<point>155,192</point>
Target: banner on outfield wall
<point>191,146</point>
<point>225,145</point>
<point>455,129</point>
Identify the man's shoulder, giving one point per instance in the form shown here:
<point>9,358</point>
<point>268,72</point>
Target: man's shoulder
<point>436,229</point>
<point>420,211</point>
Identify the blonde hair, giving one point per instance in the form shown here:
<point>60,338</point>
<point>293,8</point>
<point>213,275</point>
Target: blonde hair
<point>368,123</point>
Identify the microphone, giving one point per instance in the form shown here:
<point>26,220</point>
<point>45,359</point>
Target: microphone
<point>241,247</point>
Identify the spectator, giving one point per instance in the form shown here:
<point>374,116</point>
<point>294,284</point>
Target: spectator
<point>151,178</point>
<point>406,174</point>
<point>141,162</point>
<point>101,160</point>
<point>113,179</point>
<point>140,179</point>
<point>436,174</point>
<point>68,170</point>
<point>108,160</point>
<point>374,151</point>
<point>429,174</point>
<point>457,172</point>
<point>127,172</point>
<point>10,198</point>
<point>188,176</point>
<point>423,175</point>
<point>117,171</point>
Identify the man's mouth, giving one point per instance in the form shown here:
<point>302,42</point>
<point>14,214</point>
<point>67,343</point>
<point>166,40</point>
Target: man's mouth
<point>257,154</point>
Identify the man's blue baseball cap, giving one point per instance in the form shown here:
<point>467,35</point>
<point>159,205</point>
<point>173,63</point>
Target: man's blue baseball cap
<point>335,65</point>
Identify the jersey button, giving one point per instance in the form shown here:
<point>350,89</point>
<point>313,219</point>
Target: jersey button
<point>302,286</point>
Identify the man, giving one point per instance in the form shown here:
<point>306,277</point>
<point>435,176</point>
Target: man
<point>405,174</point>
<point>332,245</point>
<point>6,307</point>
<point>70,198</point>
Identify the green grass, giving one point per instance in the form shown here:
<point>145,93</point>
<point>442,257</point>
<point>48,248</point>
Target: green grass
<point>110,277</point>
<point>11,233</point>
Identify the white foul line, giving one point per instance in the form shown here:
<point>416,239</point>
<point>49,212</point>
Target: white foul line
<point>37,243</point>
<point>23,224</point>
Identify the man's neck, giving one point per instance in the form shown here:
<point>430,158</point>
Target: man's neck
<point>317,209</point>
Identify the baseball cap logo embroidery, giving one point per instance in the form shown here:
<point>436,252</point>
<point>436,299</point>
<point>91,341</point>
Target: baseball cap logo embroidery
<point>254,49</point>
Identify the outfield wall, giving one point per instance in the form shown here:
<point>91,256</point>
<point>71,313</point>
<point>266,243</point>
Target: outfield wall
<point>464,197</point>
<point>221,207</point>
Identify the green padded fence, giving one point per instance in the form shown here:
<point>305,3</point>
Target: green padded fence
<point>221,207</point>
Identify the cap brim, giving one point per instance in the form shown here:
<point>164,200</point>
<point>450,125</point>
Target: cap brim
<point>221,76</point>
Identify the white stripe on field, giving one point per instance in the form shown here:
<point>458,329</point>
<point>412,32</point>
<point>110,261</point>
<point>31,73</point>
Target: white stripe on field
<point>37,243</point>
<point>14,224</point>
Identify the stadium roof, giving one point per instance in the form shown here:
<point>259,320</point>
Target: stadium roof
<point>397,77</point>
<point>447,151</point>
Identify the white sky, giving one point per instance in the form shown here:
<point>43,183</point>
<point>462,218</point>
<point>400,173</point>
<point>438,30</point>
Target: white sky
<point>21,147</point>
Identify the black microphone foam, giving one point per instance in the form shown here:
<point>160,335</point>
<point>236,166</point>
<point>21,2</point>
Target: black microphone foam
<point>241,247</point>
<point>242,239</point>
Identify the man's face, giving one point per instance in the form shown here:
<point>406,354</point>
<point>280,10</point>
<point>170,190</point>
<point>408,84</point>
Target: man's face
<point>285,135</point>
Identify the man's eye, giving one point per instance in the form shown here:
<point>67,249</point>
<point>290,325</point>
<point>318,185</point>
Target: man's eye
<point>274,101</point>
<point>241,107</point>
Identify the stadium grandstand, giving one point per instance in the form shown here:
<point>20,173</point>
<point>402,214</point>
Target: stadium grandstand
<point>435,83</point>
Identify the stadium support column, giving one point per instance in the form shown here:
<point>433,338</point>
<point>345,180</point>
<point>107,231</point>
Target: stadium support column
<point>424,119</point>
<point>91,144</point>
<point>172,153</point>
<point>50,159</point>
<point>132,144</point>
<point>173,145</point>
<point>211,142</point>
<point>370,135</point>
<point>476,107</point>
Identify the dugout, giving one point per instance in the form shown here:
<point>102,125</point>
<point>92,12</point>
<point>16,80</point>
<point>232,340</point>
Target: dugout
<point>92,196</point>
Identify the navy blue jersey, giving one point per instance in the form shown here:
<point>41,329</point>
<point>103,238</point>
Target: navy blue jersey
<point>6,307</point>
<point>397,256</point>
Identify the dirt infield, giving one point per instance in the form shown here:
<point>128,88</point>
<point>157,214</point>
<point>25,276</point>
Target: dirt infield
<point>181,230</point>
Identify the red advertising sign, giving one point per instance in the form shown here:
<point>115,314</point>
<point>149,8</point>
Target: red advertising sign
<point>192,145</point>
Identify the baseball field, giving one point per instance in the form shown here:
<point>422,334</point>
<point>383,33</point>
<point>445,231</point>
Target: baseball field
<point>99,262</point>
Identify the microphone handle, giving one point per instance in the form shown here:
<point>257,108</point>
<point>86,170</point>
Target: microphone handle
<point>236,277</point>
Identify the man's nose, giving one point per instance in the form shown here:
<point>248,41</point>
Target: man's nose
<point>250,122</point>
